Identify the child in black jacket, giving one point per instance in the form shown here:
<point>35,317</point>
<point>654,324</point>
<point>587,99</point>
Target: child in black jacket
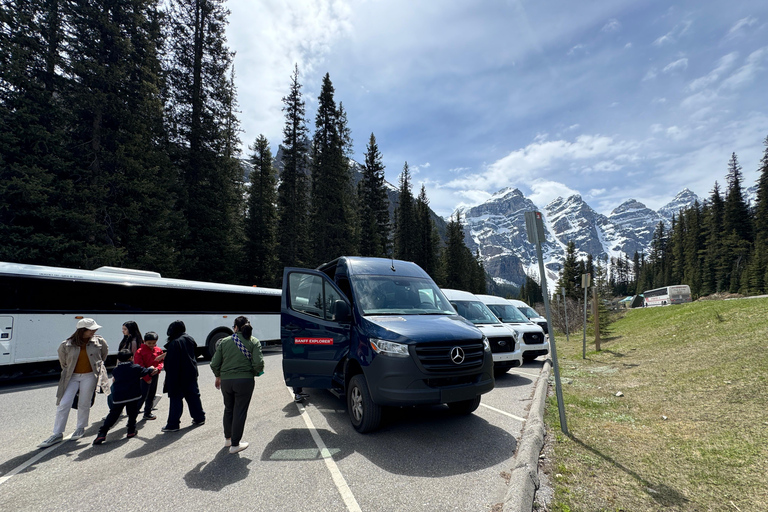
<point>126,394</point>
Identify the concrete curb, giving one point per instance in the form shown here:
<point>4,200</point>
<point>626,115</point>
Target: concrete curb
<point>525,472</point>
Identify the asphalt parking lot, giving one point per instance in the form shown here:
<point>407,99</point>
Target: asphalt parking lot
<point>301,457</point>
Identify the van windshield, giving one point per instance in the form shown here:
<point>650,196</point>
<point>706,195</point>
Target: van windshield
<point>528,311</point>
<point>475,311</point>
<point>508,313</point>
<point>388,295</point>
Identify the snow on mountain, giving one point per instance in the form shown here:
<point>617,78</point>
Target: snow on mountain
<point>496,229</point>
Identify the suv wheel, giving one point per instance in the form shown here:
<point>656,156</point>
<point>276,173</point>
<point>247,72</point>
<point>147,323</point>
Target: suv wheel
<point>363,412</point>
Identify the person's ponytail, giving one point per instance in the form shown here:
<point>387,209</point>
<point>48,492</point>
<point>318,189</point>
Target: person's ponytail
<point>247,330</point>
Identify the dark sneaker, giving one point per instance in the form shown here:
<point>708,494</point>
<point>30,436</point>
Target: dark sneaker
<point>99,439</point>
<point>170,429</point>
<point>198,423</point>
<point>150,417</point>
<point>54,439</point>
<point>130,435</point>
<point>298,398</point>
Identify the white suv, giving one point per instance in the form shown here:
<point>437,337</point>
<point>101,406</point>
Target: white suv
<point>503,339</point>
<point>533,342</point>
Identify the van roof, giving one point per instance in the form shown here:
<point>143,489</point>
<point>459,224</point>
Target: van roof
<point>458,294</point>
<point>492,299</point>
<point>517,303</point>
<point>360,265</point>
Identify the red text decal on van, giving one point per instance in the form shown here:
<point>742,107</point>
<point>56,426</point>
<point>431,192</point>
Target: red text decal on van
<point>313,341</point>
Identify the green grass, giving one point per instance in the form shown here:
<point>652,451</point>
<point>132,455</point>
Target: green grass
<point>702,366</point>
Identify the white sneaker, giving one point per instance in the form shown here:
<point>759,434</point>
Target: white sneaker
<point>242,446</point>
<point>78,433</point>
<point>55,438</point>
<point>228,442</point>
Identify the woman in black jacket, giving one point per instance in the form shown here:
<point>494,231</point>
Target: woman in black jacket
<point>181,377</point>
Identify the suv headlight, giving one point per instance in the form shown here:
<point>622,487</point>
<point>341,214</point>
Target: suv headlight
<point>486,344</point>
<point>389,348</point>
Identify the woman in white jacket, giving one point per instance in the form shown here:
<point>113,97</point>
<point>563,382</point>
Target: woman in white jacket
<point>82,357</point>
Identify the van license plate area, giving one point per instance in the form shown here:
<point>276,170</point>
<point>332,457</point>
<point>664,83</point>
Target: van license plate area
<point>457,394</point>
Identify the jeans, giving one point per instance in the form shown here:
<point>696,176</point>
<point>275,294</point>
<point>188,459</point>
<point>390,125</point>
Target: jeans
<point>148,391</point>
<point>191,393</point>
<point>86,384</point>
<point>237,397</point>
<point>132,408</point>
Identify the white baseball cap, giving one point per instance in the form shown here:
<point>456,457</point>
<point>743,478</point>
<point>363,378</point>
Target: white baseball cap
<point>88,323</point>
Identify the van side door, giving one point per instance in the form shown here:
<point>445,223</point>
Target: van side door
<point>315,328</point>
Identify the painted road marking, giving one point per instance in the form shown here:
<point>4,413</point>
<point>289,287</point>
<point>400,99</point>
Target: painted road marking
<point>31,461</point>
<point>327,456</point>
<point>518,418</point>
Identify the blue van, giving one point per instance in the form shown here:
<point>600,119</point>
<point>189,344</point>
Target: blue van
<point>381,333</point>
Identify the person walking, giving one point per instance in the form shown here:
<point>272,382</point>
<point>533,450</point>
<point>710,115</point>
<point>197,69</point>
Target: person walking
<point>131,341</point>
<point>81,357</point>
<point>147,355</point>
<point>181,377</point>
<point>127,394</point>
<point>237,360</point>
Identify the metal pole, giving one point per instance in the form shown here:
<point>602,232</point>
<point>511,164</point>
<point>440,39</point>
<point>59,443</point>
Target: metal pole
<point>584,341</point>
<point>558,388</point>
<point>565,308</point>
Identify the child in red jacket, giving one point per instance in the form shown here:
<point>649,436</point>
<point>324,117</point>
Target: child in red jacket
<point>146,356</point>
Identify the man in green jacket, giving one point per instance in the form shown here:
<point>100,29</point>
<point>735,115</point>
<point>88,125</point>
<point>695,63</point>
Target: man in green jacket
<point>237,360</point>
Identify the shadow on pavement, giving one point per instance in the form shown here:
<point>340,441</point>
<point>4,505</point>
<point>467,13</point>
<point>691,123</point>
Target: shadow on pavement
<point>512,380</point>
<point>225,469</point>
<point>417,441</point>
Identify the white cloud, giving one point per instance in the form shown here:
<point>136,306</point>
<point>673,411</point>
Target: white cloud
<point>628,46</point>
<point>656,128</point>
<point>575,49</point>
<point>674,35</point>
<point>678,65</point>
<point>613,25</point>
<point>650,75</point>
<point>544,192</point>
<point>723,65</point>
<point>739,26</point>
<point>747,72</point>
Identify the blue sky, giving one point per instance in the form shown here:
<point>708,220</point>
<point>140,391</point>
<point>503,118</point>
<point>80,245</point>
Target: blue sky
<point>611,99</point>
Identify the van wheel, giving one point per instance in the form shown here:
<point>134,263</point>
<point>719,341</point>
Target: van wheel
<point>465,406</point>
<point>213,342</point>
<point>365,414</point>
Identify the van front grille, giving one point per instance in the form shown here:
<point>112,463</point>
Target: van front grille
<point>502,344</point>
<point>533,338</point>
<point>436,356</point>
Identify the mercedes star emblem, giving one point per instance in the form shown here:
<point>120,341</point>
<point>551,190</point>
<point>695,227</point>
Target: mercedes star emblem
<point>457,355</point>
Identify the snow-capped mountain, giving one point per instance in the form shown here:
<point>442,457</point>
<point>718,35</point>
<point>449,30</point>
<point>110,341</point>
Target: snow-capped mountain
<point>497,229</point>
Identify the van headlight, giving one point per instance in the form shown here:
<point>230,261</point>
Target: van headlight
<point>486,344</point>
<point>389,348</point>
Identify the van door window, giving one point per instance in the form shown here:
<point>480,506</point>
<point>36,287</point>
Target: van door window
<point>312,295</point>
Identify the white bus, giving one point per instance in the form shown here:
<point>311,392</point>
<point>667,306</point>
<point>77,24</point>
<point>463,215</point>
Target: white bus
<point>40,306</point>
<point>678,294</point>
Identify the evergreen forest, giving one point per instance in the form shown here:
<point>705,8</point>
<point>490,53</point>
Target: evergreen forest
<point>120,146</point>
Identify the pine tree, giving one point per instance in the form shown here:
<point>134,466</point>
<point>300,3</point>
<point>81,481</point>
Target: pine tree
<point>570,277</point>
<point>199,106</point>
<point>714,270</point>
<point>428,240</point>
<point>292,193</point>
<point>737,227</point>
<point>373,205</point>
<point>759,270</point>
<point>261,217</point>
<point>455,258</point>
<point>692,248</point>
<point>405,219</point>
<point>332,219</point>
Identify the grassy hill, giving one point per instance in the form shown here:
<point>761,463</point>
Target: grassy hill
<point>690,432</point>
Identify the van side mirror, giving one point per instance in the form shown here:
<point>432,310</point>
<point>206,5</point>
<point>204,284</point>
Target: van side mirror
<point>341,311</point>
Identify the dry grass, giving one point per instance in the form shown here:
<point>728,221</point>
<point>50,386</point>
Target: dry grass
<point>703,367</point>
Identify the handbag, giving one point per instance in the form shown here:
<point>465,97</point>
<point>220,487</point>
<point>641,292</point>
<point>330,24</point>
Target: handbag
<point>77,398</point>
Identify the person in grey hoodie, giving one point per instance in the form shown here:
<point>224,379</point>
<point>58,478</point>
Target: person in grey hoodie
<point>237,360</point>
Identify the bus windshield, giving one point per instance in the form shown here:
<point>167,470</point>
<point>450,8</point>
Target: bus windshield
<point>385,295</point>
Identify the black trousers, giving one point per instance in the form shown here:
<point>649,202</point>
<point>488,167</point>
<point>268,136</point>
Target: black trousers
<point>148,391</point>
<point>131,408</point>
<point>237,397</point>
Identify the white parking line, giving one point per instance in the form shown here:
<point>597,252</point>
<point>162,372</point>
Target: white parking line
<point>518,418</point>
<point>338,479</point>
<point>534,375</point>
<point>43,453</point>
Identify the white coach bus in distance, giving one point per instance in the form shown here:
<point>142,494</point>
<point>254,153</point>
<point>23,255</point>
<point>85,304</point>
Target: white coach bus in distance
<point>40,306</point>
<point>678,294</point>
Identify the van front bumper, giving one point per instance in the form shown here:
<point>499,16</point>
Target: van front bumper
<point>398,381</point>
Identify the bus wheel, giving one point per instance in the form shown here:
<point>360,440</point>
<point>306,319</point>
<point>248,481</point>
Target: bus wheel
<point>213,342</point>
<point>363,412</point>
<point>465,406</point>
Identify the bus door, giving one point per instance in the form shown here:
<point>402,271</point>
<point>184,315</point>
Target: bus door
<point>315,327</point>
<point>6,337</point>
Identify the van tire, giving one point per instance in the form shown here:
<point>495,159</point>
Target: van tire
<point>465,406</point>
<point>363,412</point>
<point>213,342</point>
